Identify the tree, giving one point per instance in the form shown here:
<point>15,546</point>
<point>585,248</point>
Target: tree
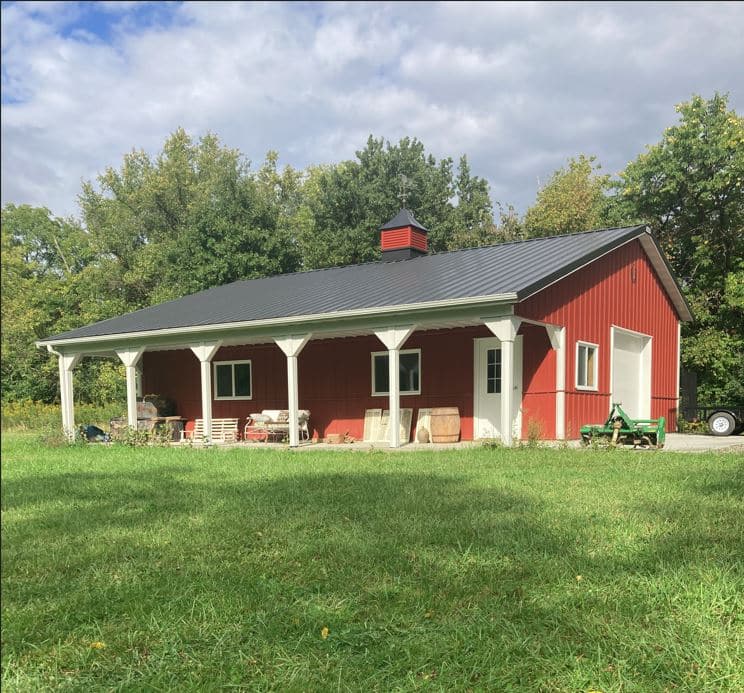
<point>690,188</point>
<point>345,204</point>
<point>189,219</point>
<point>576,198</point>
<point>47,289</point>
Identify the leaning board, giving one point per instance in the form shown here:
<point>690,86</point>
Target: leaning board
<point>424,421</point>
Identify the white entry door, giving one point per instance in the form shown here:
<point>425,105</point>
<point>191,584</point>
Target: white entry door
<point>631,372</point>
<point>487,388</point>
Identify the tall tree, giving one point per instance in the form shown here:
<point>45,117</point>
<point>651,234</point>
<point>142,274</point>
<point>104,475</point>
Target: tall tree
<point>49,285</point>
<point>690,188</point>
<point>576,198</point>
<point>191,218</point>
<point>345,204</point>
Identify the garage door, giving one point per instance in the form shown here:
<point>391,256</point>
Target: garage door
<point>631,372</point>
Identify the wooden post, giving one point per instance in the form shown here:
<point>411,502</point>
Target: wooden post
<point>292,346</point>
<point>67,363</point>
<point>130,358</point>
<point>557,337</point>
<point>394,338</point>
<point>506,330</point>
<point>205,352</point>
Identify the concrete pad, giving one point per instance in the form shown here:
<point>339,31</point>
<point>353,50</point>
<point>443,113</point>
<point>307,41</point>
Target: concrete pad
<point>696,442</point>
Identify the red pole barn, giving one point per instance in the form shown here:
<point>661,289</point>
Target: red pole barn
<point>533,337</point>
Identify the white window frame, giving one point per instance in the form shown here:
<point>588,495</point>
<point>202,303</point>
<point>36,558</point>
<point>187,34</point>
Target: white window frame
<point>231,363</point>
<point>386,353</point>
<point>588,388</point>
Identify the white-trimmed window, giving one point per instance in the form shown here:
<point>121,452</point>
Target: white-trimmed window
<point>233,380</point>
<point>410,372</point>
<point>587,362</point>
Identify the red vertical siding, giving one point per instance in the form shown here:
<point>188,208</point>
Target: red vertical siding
<point>335,379</point>
<point>619,289</point>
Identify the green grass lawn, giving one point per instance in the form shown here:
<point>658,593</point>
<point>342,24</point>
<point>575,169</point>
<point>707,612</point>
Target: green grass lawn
<point>481,569</point>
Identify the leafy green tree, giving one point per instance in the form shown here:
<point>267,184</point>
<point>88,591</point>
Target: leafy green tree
<point>344,205</point>
<point>690,188</point>
<point>193,217</point>
<point>48,287</point>
<point>576,198</point>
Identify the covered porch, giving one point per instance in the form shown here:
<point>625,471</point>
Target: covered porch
<point>503,372</point>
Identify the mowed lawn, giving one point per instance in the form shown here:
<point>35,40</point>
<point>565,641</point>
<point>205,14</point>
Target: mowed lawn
<point>482,569</point>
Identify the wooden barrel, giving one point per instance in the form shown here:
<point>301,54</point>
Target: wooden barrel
<point>445,425</point>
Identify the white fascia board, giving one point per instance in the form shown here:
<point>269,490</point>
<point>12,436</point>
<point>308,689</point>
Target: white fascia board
<point>295,322</point>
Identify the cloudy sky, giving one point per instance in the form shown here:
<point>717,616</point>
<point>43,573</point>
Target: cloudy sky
<point>519,88</point>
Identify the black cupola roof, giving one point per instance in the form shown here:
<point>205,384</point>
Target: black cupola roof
<point>404,218</point>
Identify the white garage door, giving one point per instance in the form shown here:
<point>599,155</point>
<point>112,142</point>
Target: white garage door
<point>631,372</point>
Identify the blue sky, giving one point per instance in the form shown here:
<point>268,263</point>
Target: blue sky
<point>518,87</point>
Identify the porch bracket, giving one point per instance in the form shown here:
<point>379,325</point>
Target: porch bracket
<point>557,336</point>
<point>505,330</point>
<point>292,346</point>
<point>394,338</point>
<point>67,363</point>
<point>131,358</point>
<point>205,352</point>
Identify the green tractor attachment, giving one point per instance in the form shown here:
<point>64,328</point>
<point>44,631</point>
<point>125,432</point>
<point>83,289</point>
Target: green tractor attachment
<point>620,429</point>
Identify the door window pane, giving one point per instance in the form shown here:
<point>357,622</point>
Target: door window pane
<point>493,371</point>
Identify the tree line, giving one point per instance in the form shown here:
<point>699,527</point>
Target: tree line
<point>197,215</point>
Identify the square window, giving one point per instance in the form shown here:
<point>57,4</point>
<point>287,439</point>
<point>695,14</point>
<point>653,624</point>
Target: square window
<point>409,372</point>
<point>586,366</point>
<point>232,380</point>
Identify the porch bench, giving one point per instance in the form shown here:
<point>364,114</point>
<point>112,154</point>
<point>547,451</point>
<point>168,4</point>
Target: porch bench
<point>223,431</point>
<point>273,424</point>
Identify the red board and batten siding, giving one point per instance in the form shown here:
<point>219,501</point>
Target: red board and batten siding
<point>620,289</point>
<point>335,379</point>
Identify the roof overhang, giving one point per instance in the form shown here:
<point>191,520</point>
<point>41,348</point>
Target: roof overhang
<point>427,315</point>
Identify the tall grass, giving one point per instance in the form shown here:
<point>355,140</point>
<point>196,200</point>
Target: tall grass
<point>479,569</point>
<point>28,415</point>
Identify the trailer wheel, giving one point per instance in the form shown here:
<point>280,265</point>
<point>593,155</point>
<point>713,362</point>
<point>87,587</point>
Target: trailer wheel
<point>721,423</point>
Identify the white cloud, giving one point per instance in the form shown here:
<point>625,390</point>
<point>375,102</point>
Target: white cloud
<point>518,87</point>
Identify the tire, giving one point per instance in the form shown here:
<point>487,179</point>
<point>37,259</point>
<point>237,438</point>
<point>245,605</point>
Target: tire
<point>721,423</point>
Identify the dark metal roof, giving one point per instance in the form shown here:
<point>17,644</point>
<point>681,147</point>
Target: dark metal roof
<point>404,218</point>
<point>520,267</point>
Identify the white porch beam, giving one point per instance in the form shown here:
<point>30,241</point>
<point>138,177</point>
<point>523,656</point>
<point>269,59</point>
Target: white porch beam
<point>557,336</point>
<point>205,352</point>
<point>394,338</point>
<point>505,329</point>
<point>292,346</point>
<point>130,358</point>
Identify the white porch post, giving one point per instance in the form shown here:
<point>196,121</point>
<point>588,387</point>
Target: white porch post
<point>557,337</point>
<point>205,352</point>
<point>67,363</point>
<point>505,329</point>
<point>130,358</point>
<point>394,338</point>
<point>292,346</point>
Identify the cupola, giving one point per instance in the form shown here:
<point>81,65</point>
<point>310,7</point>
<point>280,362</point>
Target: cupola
<point>403,238</point>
